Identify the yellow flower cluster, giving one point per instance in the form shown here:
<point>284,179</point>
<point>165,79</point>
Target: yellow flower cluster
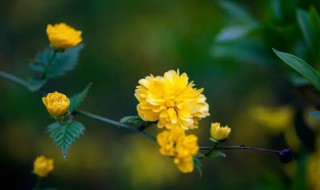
<point>171,100</point>
<point>57,104</point>
<point>42,166</point>
<point>219,133</point>
<point>175,143</point>
<point>62,36</point>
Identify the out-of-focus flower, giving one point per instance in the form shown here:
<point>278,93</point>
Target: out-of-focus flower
<point>175,143</point>
<point>275,119</point>
<point>313,168</point>
<point>42,166</point>
<point>219,133</point>
<point>62,36</point>
<point>171,100</point>
<point>56,103</point>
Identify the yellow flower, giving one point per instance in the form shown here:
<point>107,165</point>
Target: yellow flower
<point>275,119</point>
<point>62,36</point>
<point>219,133</point>
<point>181,147</point>
<point>171,100</point>
<point>42,166</point>
<point>56,103</point>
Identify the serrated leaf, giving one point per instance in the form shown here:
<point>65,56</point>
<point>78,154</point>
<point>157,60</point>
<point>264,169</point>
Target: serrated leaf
<point>65,135</point>
<point>35,84</point>
<point>64,61</point>
<point>198,166</point>
<point>78,98</point>
<point>315,114</point>
<point>133,120</point>
<point>216,154</point>
<point>300,66</point>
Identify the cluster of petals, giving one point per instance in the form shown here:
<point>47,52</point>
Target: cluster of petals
<point>171,100</point>
<point>62,36</point>
<point>181,147</point>
<point>219,133</point>
<point>42,166</point>
<point>57,104</point>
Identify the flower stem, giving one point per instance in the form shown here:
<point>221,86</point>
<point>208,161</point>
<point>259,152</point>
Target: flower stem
<point>238,147</point>
<point>13,78</point>
<point>115,123</point>
<point>49,63</point>
<point>37,185</point>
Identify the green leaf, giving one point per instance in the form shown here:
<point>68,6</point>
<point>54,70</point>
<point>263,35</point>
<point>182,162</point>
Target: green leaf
<point>314,21</point>
<point>78,98</point>
<point>300,66</point>
<point>302,17</point>
<point>35,84</point>
<point>315,114</point>
<point>64,61</point>
<point>133,120</point>
<point>309,24</point>
<point>216,154</point>
<point>65,135</point>
<point>198,166</point>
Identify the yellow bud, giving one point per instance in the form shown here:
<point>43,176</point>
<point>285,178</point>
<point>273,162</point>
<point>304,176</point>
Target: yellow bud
<point>219,133</point>
<point>42,166</point>
<point>56,103</point>
<point>62,36</point>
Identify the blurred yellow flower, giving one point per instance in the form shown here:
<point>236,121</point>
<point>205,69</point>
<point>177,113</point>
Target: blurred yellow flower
<point>42,166</point>
<point>62,36</point>
<point>313,168</point>
<point>171,100</point>
<point>275,119</point>
<point>174,143</point>
<point>56,103</point>
<point>219,133</point>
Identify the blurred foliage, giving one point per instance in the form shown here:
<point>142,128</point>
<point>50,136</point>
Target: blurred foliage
<point>224,46</point>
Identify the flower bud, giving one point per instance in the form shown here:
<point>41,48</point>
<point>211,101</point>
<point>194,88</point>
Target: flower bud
<point>62,36</point>
<point>42,166</point>
<point>219,133</point>
<point>57,104</point>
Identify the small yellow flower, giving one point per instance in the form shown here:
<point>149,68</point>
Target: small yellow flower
<point>62,36</point>
<point>180,147</point>
<point>42,166</point>
<point>219,133</point>
<point>56,103</point>
<point>171,100</point>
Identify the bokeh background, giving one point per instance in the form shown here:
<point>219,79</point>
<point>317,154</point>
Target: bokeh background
<point>225,47</point>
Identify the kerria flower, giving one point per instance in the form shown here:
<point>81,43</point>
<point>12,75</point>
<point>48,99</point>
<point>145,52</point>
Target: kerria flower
<point>42,166</point>
<point>62,36</point>
<point>219,133</point>
<point>57,104</point>
<point>171,101</point>
<point>181,147</point>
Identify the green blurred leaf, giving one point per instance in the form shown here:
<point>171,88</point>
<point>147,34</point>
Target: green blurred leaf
<point>315,114</point>
<point>35,84</point>
<point>236,11</point>
<point>65,135</point>
<point>309,24</point>
<point>64,61</point>
<point>300,66</point>
<point>198,165</point>
<point>133,120</point>
<point>216,154</point>
<point>314,20</point>
<point>303,21</point>
<point>78,98</point>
